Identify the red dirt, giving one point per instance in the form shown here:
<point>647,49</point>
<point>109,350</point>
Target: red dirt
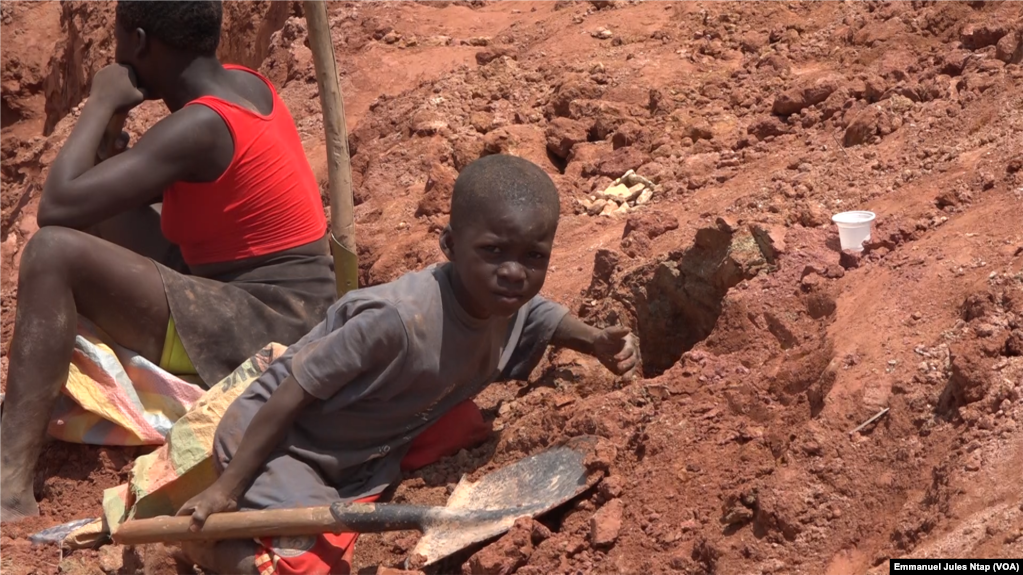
<point>762,351</point>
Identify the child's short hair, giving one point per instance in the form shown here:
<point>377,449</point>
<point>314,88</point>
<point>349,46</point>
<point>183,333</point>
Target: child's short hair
<point>502,180</point>
<point>187,26</point>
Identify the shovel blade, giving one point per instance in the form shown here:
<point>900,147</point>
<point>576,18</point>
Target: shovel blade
<point>527,488</point>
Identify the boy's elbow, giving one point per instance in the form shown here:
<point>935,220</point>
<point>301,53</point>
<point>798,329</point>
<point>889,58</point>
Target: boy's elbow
<point>47,215</point>
<point>50,214</point>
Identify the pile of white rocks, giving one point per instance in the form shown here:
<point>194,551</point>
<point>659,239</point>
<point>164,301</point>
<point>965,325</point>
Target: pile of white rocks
<point>623,195</point>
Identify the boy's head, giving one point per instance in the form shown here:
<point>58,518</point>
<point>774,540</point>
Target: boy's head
<point>149,34</point>
<point>504,214</point>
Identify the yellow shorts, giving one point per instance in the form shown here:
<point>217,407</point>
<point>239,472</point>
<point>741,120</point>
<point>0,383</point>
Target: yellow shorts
<point>174,359</point>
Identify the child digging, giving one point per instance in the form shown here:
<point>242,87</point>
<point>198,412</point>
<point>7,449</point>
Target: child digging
<point>335,416</point>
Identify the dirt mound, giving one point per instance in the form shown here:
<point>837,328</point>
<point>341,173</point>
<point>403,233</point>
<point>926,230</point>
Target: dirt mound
<point>763,346</point>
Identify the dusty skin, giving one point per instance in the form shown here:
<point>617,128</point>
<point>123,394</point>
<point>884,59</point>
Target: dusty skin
<point>763,345</point>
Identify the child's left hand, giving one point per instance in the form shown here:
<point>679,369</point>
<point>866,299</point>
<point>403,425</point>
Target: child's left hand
<point>617,349</point>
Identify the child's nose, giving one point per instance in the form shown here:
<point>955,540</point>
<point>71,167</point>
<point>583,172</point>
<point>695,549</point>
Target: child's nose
<point>511,272</point>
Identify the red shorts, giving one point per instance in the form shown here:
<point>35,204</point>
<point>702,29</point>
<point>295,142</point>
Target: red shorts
<point>329,554</point>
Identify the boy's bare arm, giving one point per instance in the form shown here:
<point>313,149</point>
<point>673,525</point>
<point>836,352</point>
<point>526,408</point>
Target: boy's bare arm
<point>181,147</point>
<point>614,346</point>
<point>267,429</point>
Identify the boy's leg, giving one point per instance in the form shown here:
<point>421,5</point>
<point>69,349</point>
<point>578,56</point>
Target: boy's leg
<point>139,231</point>
<point>223,557</point>
<point>65,273</point>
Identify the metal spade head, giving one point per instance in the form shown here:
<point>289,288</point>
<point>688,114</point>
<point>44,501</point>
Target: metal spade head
<point>479,511</point>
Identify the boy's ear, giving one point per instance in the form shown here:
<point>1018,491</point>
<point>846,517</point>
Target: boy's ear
<point>447,243</point>
<point>141,42</point>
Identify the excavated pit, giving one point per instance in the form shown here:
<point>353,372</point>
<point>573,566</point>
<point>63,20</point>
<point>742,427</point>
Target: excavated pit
<point>673,302</point>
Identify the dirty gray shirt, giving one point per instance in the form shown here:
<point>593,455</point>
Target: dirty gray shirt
<point>386,363</point>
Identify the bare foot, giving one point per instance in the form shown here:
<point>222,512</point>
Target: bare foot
<point>17,508</point>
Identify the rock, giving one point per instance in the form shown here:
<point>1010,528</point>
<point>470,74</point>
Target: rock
<point>621,161</point>
<point>977,36</point>
<point>1010,48</point>
<point>611,487</point>
<point>9,252</point>
<point>652,224</point>
<point>727,224</point>
<point>752,42</point>
<point>609,208</point>
<point>391,37</point>
<point>627,134</point>
<point>735,512</point>
<point>765,127</point>
<point>507,554</point>
<point>478,41</point>
<point>656,172</point>
<point>699,130</point>
<point>875,120</point>
<point>602,34</point>
<point>606,524</point>
<point>953,62</point>
<point>631,178</point>
<point>808,92</point>
<point>644,197</point>
<point>620,193</point>
<point>571,90</point>
<point>813,217</point>
<point>698,165</point>
<point>428,123</point>
<point>111,558</point>
<point>482,122</point>
<point>597,207</point>
<point>604,117</point>
<point>564,133</point>
<point>484,57</point>
<point>850,259</point>
<point>436,197</point>
<point>605,263</point>
<point>771,240</point>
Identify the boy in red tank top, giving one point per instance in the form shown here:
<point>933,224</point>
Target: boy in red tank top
<point>242,260</point>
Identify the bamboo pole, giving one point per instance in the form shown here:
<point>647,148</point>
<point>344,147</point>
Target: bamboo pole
<point>339,168</point>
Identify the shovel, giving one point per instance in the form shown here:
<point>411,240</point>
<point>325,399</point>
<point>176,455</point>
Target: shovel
<point>475,512</point>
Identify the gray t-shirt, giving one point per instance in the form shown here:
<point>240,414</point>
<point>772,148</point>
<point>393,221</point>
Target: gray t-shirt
<point>386,363</point>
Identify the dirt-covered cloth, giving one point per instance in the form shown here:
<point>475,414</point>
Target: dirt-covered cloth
<point>162,481</point>
<point>387,362</point>
<point>223,321</point>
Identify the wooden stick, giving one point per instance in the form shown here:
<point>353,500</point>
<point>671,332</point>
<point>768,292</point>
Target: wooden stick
<point>339,168</point>
<point>869,421</point>
<point>219,526</point>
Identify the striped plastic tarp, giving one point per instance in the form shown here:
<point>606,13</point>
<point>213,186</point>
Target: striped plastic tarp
<point>165,479</point>
<point>115,396</point>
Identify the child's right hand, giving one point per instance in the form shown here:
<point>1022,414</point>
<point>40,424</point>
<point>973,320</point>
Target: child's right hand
<point>215,499</point>
<point>115,86</point>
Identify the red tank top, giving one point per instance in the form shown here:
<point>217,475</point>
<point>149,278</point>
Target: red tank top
<point>266,201</point>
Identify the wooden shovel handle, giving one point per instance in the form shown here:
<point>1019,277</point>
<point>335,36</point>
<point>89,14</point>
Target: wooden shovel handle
<point>239,525</point>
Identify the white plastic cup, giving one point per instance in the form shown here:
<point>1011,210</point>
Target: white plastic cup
<point>853,229</point>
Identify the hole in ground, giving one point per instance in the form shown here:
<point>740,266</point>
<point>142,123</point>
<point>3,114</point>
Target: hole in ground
<point>8,115</point>
<point>559,163</point>
<point>678,301</point>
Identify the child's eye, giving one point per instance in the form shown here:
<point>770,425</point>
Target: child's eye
<point>537,255</point>
<point>492,249</point>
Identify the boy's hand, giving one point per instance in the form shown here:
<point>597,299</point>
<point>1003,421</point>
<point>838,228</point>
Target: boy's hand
<point>214,500</point>
<point>617,349</point>
<point>115,87</point>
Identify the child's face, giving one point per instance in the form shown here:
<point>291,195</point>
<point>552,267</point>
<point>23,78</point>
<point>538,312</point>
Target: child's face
<point>500,259</point>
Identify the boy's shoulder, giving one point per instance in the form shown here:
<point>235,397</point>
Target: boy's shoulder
<point>405,293</point>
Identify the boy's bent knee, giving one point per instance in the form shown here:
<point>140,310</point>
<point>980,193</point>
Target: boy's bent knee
<point>50,250</point>
<point>231,556</point>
